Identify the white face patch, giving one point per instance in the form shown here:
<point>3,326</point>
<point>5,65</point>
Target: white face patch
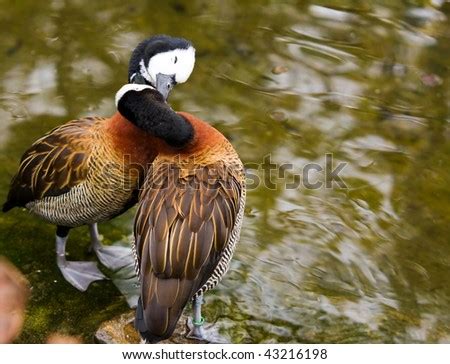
<point>130,87</point>
<point>178,62</point>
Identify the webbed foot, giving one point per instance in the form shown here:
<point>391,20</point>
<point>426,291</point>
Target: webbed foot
<point>195,324</point>
<point>80,274</point>
<point>204,334</point>
<point>112,257</point>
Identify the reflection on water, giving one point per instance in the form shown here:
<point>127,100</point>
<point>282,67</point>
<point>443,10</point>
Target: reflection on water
<point>365,81</point>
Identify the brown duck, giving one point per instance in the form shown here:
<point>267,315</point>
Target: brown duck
<point>89,170</point>
<point>187,225</point>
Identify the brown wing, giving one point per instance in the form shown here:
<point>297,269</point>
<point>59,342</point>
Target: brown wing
<point>181,228</point>
<point>53,164</point>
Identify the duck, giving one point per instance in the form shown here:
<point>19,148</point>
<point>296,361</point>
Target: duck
<point>90,170</point>
<point>189,216</point>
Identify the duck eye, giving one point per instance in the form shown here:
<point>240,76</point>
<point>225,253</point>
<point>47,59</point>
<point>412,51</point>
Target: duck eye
<point>175,60</point>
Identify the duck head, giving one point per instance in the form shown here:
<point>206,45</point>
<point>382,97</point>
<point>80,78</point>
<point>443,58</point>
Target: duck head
<point>162,61</point>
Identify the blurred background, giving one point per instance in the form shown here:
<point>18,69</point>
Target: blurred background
<point>368,81</point>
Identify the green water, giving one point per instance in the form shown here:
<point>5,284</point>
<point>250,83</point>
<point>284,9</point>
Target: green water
<point>368,82</point>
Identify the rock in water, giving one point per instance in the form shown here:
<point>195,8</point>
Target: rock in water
<point>120,330</point>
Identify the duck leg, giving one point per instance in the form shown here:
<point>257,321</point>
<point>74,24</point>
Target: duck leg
<point>78,274</point>
<point>197,331</point>
<point>112,257</point>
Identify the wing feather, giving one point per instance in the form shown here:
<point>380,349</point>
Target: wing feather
<point>54,163</point>
<point>181,230</point>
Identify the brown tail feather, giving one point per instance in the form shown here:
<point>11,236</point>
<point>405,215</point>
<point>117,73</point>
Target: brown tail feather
<point>157,314</point>
<point>8,206</point>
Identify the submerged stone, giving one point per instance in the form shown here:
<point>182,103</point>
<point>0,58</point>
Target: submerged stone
<point>120,330</point>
